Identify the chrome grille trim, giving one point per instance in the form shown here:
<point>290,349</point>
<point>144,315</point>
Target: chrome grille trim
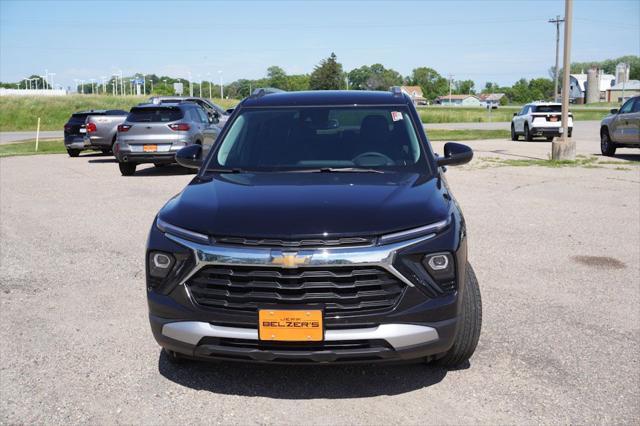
<point>381,256</point>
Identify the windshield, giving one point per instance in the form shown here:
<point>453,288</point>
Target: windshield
<point>307,138</point>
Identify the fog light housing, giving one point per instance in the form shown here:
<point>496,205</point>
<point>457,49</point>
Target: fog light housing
<point>160,264</point>
<point>440,266</point>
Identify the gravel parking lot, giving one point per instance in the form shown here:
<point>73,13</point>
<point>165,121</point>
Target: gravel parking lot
<point>556,250</point>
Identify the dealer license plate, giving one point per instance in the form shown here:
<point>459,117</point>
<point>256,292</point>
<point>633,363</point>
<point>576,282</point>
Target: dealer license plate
<point>150,148</point>
<point>290,325</point>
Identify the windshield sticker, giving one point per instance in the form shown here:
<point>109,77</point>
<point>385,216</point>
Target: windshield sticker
<point>396,115</point>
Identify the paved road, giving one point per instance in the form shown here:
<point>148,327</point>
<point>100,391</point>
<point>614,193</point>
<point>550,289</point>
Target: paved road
<point>11,137</point>
<point>557,253</point>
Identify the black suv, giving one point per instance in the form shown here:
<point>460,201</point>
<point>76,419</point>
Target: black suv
<point>318,229</point>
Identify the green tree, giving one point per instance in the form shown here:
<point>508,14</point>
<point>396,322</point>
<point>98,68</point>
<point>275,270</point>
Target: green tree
<point>464,87</point>
<point>490,87</point>
<point>277,77</point>
<point>375,77</point>
<point>431,83</point>
<point>298,82</point>
<point>327,75</point>
<point>541,89</point>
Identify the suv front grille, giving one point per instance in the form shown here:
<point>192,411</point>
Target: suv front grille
<point>334,289</point>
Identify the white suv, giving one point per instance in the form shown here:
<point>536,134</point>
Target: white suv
<point>539,119</point>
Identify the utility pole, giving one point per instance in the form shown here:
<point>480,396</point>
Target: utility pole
<point>556,21</point>
<point>565,149</point>
<point>190,85</point>
<point>450,80</point>
<point>221,88</point>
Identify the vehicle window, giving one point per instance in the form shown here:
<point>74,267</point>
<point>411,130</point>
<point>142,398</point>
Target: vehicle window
<point>626,108</point>
<point>548,108</point>
<point>636,106</point>
<point>203,115</point>
<point>321,137</point>
<point>116,112</point>
<point>82,116</point>
<point>524,109</point>
<point>154,115</point>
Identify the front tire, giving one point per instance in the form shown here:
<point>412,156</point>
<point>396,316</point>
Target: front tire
<point>527,134</point>
<point>173,357</point>
<point>127,169</point>
<point>470,325</point>
<point>106,150</point>
<point>607,147</point>
<point>549,138</point>
<point>514,135</point>
<point>73,152</point>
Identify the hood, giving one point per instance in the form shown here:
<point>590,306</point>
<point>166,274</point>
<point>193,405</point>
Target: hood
<point>303,205</point>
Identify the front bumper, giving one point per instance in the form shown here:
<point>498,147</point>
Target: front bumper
<point>422,324</point>
<point>382,343</point>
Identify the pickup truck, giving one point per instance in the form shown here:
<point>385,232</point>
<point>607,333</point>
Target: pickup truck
<point>101,129</point>
<point>93,129</point>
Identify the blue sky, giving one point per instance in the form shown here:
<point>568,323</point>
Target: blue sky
<point>499,41</point>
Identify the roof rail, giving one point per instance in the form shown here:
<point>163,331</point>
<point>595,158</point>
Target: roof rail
<point>261,91</point>
<point>396,90</point>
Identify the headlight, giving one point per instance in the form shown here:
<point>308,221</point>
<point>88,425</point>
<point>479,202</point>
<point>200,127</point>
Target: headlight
<point>160,264</point>
<point>440,266</point>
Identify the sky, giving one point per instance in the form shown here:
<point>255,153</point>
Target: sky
<point>497,41</point>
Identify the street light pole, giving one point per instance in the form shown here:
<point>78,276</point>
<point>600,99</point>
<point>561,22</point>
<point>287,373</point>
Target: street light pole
<point>565,149</point>
<point>556,21</point>
<point>221,87</point>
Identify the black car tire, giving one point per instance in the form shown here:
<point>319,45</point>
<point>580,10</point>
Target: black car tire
<point>470,325</point>
<point>105,150</point>
<point>549,138</point>
<point>607,147</point>
<point>73,152</point>
<point>159,164</point>
<point>527,134</point>
<point>127,169</point>
<point>514,135</point>
<point>569,132</point>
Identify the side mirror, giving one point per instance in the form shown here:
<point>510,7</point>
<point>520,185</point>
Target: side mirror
<point>614,111</point>
<point>230,111</point>
<point>515,113</point>
<point>190,156</point>
<point>454,154</point>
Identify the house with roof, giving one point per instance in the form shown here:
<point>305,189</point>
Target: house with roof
<point>490,100</point>
<point>415,93</point>
<point>620,92</point>
<point>458,100</point>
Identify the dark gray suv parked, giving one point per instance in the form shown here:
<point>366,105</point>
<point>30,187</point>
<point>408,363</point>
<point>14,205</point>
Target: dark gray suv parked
<point>153,133</point>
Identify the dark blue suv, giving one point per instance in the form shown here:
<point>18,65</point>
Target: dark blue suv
<point>319,229</point>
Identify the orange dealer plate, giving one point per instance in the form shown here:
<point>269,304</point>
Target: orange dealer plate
<point>290,325</point>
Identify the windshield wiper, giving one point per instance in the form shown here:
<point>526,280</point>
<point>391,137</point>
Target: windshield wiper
<point>345,170</point>
<point>231,170</point>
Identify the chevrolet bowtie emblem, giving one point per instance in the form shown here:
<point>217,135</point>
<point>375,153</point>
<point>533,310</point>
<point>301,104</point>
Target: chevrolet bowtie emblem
<point>290,260</point>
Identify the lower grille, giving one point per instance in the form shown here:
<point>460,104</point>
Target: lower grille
<point>336,289</point>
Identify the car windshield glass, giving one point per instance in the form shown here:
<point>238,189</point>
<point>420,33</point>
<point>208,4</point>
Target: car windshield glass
<point>322,138</point>
<point>548,108</point>
<point>154,115</point>
<point>83,116</point>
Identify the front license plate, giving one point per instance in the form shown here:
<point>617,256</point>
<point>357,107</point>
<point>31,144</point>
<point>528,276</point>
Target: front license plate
<point>150,148</point>
<point>290,325</point>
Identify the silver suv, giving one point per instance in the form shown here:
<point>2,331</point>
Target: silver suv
<point>621,129</point>
<point>153,133</point>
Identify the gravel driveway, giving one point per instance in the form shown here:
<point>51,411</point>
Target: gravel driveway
<point>557,253</point>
